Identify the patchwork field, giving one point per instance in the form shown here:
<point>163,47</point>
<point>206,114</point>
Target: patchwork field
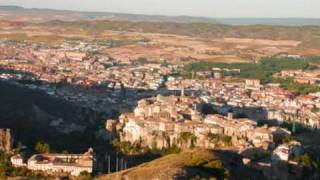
<point>131,45</point>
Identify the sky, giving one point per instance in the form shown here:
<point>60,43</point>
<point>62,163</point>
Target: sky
<point>205,8</point>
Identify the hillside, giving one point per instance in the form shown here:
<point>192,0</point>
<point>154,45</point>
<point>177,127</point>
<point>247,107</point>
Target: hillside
<point>32,113</point>
<point>309,35</point>
<point>186,165</point>
<point>297,29</point>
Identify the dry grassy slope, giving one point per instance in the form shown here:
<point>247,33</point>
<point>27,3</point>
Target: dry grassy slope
<point>174,167</point>
<point>166,167</point>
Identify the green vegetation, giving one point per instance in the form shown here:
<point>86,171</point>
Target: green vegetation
<point>174,149</point>
<point>7,170</point>
<point>135,149</point>
<point>143,61</point>
<point>315,110</point>
<point>186,137</point>
<point>220,140</point>
<point>310,164</point>
<point>214,167</point>
<point>314,60</point>
<point>84,175</point>
<point>298,88</point>
<point>264,71</point>
<point>288,139</point>
<point>112,43</point>
<point>42,147</point>
<point>306,161</point>
<point>128,148</point>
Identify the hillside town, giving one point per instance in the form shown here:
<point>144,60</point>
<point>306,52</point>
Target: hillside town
<point>94,97</point>
<point>158,107</point>
<point>110,80</point>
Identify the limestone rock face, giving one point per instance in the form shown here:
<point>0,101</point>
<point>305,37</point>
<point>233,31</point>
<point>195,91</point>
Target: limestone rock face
<point>6,140</point>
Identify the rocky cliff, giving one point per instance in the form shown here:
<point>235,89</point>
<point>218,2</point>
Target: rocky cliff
<point>6,140</point>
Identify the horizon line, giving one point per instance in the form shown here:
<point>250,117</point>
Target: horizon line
<point>147,14</point>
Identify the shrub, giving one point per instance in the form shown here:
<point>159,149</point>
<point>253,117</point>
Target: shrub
<point>154,144</point>
<point>185,137</point>
<point>220,139</point>
<point>170,150</point>
<point>306,161</point>
<point>7,170</point>
<point>84,175</point>
<point>196,161</point>
<point>42,147</point>
<point>288,139</point>
<point>214,167</point>
<point>127,148</point>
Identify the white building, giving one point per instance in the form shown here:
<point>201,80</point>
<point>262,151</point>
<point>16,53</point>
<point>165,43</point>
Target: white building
<point>17,161</point>
<point>285,151</point>
<point>62,163</point>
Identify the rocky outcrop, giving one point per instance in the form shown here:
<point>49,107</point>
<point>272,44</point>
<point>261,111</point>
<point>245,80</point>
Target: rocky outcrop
<point>6,140</point>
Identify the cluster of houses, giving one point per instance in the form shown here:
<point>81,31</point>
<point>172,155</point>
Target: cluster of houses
<point>106,77</point>
<point>164,121</point>
<point>78,67</point>
<point>64,69</point>
<point>256,101</point>
<point>300,76</point>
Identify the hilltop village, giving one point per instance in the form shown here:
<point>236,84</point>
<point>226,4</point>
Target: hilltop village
<point>162,122</point>
<point>164,119</point>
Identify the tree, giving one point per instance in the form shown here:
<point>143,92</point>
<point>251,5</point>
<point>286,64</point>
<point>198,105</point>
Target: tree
<point>19,147</point>
<point>84,175</point>
<point>186,137</point>
<point>42,147</point>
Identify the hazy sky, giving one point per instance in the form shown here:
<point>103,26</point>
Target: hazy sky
<point>210,8</point>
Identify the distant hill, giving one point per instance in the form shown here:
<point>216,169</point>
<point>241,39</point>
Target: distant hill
<point>308,35</point>
<point>270,21</point>
<point>11,8</point>
<point>52,14</point>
